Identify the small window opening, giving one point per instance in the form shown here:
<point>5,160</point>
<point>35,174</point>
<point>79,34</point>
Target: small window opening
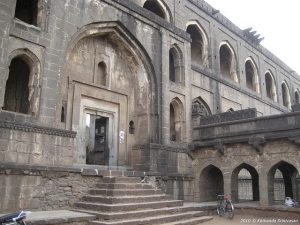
<point>227,63</point>
<point>101,74</point>
<point>270,86</point>
<point>250,76</point>
<point>27,11</point>
<point>62,116</point>
<point>286,96</point>
<point>154,7</point>
<point>197,46</point>
<point>171,67</point>
<point>16,89</point>
<point>131,127</point>
<point>172,124</point>
<point>297,97</point>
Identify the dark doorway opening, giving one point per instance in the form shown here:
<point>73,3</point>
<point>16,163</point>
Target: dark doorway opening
<point>97,151</point>
<point>283,182</point>
<point>16,89</point>
<point>27,10</point>
<point>211,184</point>
<point>154,7</point>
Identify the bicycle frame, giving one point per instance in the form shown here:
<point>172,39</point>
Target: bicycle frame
<point>225,206</point>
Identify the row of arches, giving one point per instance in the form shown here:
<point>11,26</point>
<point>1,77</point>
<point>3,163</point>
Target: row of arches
<point>283,181</point>
<point>227,60</point>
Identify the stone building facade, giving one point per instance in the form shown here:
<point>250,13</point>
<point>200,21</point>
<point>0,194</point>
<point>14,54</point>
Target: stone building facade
<point>123,84</point>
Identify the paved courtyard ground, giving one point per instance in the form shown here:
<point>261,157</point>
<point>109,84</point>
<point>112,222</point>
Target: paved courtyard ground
<point>257,217</point>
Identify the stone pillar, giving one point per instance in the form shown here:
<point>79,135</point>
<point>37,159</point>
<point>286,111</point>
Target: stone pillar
<point>165,104</point>
<point>227,182</point>
<point>264,190</point>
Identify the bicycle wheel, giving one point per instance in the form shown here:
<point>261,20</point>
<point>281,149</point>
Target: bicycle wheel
<point>220,211</point>
<point>230,210</point>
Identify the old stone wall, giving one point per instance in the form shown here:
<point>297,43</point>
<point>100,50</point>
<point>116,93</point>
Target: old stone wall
<point>42,189</point>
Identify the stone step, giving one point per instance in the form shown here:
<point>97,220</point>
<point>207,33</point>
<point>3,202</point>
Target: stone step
<point>125,199</point>
<point>121,180</point>
<point>151,220</point>
<point>141,213</point>
<point>193,221</point>
<point>124,186</point>
<point>124,192</point>
<point>127,207</point>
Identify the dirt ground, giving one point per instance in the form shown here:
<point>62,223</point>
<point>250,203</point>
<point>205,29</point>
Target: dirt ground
<point>254,217</point>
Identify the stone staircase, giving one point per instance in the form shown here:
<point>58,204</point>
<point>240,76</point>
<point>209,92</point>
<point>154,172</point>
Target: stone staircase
<point>126,201</point>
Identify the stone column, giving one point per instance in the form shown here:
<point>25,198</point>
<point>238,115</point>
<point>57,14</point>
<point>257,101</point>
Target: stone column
<point>264,190</point>
<point>165,104</point>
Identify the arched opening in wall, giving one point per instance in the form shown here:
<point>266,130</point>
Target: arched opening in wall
<point>252,81</point>
<point>282,182</point>
<point>270,86</point>
<point>211,183</point>
<point>199,45</point>
<point>171,67</point>
<point>244,184</point>
<point>228,62</point>
<point>101,74</point>
<point>297,96</point>
<point>16,98</point>
<point>155,7</point>
<point>286,98</point>
<point>176,120</point>
<point>199,109</point>
<point>27,11</point>
<point>175,66</point>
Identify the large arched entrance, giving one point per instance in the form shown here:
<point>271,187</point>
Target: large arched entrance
<point>282,182</point>
<point>211,184</point>
<point>109,84</point>
<point>244,184</point>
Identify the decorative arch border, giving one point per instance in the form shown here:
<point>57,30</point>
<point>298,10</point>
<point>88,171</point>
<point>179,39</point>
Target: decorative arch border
<point>201,100</point>
<point>34,83</point>
<point>164,7</point>
<point>234,56</point>
<point>256,82</point>
<point>275,84</point>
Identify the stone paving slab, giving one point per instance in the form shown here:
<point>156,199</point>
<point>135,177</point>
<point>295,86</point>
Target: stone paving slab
<point>57,217</point>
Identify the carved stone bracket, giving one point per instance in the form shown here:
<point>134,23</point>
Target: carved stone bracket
<point>257,143</point>
<point>220,147</point>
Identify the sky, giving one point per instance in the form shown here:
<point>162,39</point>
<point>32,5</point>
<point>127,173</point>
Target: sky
<point>277,21</point>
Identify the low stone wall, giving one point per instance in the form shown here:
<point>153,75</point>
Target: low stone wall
<point>26,143</point>
<point>42,189</point>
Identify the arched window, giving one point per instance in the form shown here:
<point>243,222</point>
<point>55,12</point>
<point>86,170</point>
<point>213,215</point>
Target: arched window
<point>270,86</point>
<point>159,8</point>
<point>228,62</point>
<point>16,97</point>
<point>282,182</point>
<point>286,98</point>
<point>175,66</point>
<point>199,109</point>
<point>297,96</point>
<point>27,11</point>
<point>100,78</point>
<point>252,80</point>
<point>176,120</point>
<point>199,45</point>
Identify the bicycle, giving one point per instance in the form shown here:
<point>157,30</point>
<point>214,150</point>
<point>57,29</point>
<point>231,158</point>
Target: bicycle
<point>225,206</point>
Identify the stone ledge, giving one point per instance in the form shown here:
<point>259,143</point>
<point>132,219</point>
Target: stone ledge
<point>58,217</point>
<point>37,129</point>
